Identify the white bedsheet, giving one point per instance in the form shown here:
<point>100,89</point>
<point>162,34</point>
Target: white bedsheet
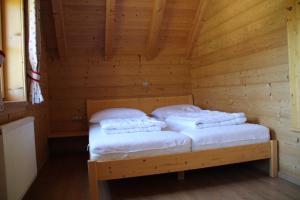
<point>225,136</point>
<point>132,145</point>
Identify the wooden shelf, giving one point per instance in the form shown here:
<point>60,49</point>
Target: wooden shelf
<point>68,134</point>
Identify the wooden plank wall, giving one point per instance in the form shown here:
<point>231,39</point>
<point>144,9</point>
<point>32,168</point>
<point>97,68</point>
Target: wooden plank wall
<point>294,60</point>
<point>84,74</point>
<point>73,81</point>
<point>240,63</point>
<point>84,25</point>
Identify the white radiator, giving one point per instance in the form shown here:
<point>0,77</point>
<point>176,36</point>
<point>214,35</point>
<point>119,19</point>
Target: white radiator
<point>17,158</point>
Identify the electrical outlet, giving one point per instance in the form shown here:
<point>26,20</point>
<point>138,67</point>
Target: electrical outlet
<point>145,84</point>
<point>77,118</point>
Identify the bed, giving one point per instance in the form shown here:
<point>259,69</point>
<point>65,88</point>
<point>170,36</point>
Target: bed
<point>140,162</point>
<point>103,147</point>
<point>224,136</point>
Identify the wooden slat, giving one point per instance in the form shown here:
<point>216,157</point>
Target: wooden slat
<point>259,43</point>
<point>158,11</point>
<point>237,16</point>
<point>254,76</point>
<point>120,92</point>
<point>108,170</point>
<point>294,58</point>
<point>85,26</point>
<point>58,15</point>
<point>109,27</point>
<point>240,63</point>
<point>270,23</point>
<point>267,58</point>
<point>232,11</point>
<point>197,25</point>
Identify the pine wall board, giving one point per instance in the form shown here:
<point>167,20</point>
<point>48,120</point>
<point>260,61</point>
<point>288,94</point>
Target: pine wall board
<point>76,79</point>
<point>84,26</point>
<point>240,63</point>
<point>84,74</point>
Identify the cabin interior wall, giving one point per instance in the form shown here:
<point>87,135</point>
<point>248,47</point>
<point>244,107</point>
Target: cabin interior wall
<point>84,74</point>
<point>240,63</point>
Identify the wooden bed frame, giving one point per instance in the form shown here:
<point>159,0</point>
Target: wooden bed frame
<point>125,168</point>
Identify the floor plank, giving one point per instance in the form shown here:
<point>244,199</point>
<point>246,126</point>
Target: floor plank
<point>65,177</point>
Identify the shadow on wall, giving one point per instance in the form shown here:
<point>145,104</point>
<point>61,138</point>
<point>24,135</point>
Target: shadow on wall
<point>68,145</point>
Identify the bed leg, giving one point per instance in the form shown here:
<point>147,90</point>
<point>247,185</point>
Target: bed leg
<point>105,190</point>
<point>180,176</point>
<point>93,181</point>
<point>274,159</point>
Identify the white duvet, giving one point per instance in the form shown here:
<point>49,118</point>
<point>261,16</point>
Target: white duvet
<point>131,125</point>
<point>140,144</point>
<point>224,136</point>
<point>207,119</point>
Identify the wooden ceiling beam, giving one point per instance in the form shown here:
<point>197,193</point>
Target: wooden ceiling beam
<point>159,7</point>
<point>109,26</point>
<point>196,28</point>
<point>58,15</point>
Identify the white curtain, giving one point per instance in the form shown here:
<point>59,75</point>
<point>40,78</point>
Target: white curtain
<point>34,52</point>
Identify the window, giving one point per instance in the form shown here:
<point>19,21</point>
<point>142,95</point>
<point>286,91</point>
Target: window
<point>13,42</point>
<point>294,61</point>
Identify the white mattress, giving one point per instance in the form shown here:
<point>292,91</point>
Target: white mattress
<point>132,145</point>
<point>224,136</point>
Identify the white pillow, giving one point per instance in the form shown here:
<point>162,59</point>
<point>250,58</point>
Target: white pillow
<point>116,113</point>
<point>163,112</point>
<point>131,123</point>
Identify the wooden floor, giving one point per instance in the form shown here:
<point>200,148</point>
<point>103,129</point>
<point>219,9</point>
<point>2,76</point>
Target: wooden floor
<point>65,177</point>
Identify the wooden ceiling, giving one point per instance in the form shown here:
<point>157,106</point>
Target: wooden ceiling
<point>122,27</point>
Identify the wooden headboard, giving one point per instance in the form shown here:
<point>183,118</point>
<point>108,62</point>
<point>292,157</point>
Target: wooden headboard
<point>147,104</point>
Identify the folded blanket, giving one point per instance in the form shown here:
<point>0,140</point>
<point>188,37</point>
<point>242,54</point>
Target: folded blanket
<point>131,123</point>
<point>132,130</point>
<point>206,118</point>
